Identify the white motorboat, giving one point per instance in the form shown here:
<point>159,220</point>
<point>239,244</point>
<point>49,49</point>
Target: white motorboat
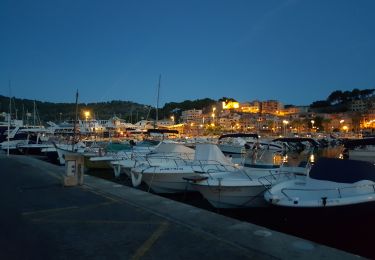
<point>243,188</point>
<point>361,149</point>
<point>163,153</point>
<point>235,143</point>
<point>26,139</point>
<point>64,149</point>
<point>331,182</point>
<point>166,176</point>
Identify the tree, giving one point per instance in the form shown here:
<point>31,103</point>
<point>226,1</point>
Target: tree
<point>320,104</point>
<point>227,100</point>
<point>335,97</point>
<point>366,93</point>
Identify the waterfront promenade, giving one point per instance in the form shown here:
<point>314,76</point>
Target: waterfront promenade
<point>41,219</point>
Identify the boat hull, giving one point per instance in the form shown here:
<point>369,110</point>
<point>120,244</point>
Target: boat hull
<point>167,182</point>
<point>233,196</point>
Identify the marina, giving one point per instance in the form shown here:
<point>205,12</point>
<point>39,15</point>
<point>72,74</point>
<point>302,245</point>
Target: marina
<point>105,219</point>
<point>251,196</point>
<point>187,129</point>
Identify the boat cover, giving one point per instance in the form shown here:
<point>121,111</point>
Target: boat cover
<point>342,171</point>
<point>173,148</point>
<point>210,152</point>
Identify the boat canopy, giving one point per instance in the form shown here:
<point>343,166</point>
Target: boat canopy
<point>210,152</point>
<point>173,148</point>
<point>342,171</point>
<point>238,135</point>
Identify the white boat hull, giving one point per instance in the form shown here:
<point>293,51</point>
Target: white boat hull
<point>168,182</point>
<point>233,196</point>
<point>316,194</point>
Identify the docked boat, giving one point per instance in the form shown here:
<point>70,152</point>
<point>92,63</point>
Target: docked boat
<point>297,144</point>
<point>64,149</point>
<point>26,140</point>
<point>360,149</point>
<point>166,174</point>
<point>330,183</point>
<point>154,155</point>
<point>245,187</point>
<point>235,143</point>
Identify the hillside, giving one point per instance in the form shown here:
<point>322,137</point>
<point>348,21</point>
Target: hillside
<point>127,110</point>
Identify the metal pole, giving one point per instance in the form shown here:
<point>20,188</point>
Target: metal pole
<point>157,104</point>
<point>75,121</point>
<point>10,115</point>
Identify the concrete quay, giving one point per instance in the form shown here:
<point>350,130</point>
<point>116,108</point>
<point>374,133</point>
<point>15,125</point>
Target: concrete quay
<point>41,219</point>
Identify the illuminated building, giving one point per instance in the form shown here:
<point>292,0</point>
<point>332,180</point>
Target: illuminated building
<point>230,105</point>
<point>192,116</point>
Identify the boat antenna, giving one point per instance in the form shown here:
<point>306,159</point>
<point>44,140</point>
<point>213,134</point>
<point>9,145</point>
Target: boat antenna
<point>75,121</point>
<point>157,103</point>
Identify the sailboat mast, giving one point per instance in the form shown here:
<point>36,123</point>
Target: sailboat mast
<point>10,115</point>
<point>34,112</point>
<point>75,121</point>
<point>157,103</point>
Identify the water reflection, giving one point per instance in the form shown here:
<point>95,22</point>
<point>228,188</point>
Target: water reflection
<point>293,158</point>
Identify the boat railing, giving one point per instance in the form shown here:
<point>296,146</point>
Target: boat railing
<point>269,180</point>
<point>198,166</point>
<point>330,192</point>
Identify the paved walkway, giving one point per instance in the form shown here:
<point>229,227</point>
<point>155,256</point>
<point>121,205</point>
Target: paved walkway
<point>41,219</point>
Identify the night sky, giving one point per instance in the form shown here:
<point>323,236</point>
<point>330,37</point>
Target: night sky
<point>293,51</point>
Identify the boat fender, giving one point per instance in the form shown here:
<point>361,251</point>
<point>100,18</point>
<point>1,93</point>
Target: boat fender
<point>136,178</point>
<point>117,170</point>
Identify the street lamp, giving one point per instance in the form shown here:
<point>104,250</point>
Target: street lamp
<point>285,123</point>
<point>213,114</point>
<point>312,124</point>
<point>172,118</point>
<point>87,115</point>
<point>341,122</point>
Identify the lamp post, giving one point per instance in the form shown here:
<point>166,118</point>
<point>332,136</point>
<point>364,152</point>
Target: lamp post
<point>341,123</point>
<point>213,114</point>
<point>285,123</point>
<point>312,124</point>
<point>87,115</point>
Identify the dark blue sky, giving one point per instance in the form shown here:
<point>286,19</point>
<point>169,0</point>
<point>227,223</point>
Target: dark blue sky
<point>294,51</point>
